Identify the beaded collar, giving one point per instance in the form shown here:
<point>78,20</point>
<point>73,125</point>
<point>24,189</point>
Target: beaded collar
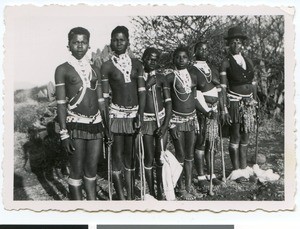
<point>124,64</point>
<point>83,68</point>
<point>203,67</point>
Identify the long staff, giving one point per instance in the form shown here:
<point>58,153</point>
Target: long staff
<point>222,153</point>
<point>109,165</point>
<point>142,165</point>
<point>212,148</point>
<point>256,137</point>
<point>156,114</point>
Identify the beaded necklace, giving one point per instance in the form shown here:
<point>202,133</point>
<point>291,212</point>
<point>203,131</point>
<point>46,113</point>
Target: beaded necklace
<point>205,70</point>
<point>184,78</point>
<point>124,64</point>
<point>83,68</point>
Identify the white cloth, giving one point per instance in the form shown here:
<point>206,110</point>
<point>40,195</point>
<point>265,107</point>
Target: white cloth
<point>171,172</point>
<point>265,175</point>
<point>202,101</point>
<point>240,60</point>
<point>124,64</point>
<point>262,175</point>
<point>212,92</point>
<point>235,174</point>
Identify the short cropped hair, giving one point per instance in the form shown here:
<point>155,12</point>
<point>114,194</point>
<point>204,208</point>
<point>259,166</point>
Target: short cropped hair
<point>120,29</point>
<point>78,31</point>
<point>199,43</point>
<point>181,49</point>
<point>149,51</point>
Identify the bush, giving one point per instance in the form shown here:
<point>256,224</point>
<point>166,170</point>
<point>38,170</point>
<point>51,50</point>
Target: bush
<point>26,114</point>
<point>21,96</point>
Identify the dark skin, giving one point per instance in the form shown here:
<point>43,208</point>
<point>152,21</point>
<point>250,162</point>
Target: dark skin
<point>152,142</point>
<point>83,154</point>
<point>236,136</point>
<point>127,95</point>
<point>183,141</point>
<point>205,84</point>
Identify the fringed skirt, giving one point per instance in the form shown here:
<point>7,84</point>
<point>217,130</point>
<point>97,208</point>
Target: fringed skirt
<point>82,127</point>
<point>149,125</point>
<point>243,112</point>
<point>122,119</point>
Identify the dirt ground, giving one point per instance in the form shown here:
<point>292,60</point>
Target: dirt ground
<point>40,174</point>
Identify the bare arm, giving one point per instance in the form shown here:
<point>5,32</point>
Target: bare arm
<point>168,107</point>
<point>60,83</point>
<point>61,96</point>
<point>101,100</point>
<point>223,93</point>
<point>141,95</point>
<point>104,73</point>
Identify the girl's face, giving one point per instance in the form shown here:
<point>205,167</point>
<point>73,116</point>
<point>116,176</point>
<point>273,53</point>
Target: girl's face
<point>79,46</point>
<point>235,45</point>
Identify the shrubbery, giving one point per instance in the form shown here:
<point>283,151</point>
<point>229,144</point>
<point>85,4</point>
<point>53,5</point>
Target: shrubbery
<point>26,114</point>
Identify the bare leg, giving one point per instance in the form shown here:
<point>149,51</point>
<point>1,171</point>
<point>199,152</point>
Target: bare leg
<point>189,158</point>
<point>76,167</point>
<point>234,145</point>
<point>117,150</point>
<point>243,150</point>
<point>159,165</point>
<point>129,163</point>
<point>179,153</point>
<point>149,157</point>
<point>94,150</point>
<point>199,154</point>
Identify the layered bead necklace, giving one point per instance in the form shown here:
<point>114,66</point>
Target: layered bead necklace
<point>184,78</point>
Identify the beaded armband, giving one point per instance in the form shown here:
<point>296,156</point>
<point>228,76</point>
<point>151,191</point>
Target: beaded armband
<point>141,89</point>
<point>101,100</point>
<point>168,100</point>
<point>59,84</point>
<point>61,101</point>
<point>223,74</point>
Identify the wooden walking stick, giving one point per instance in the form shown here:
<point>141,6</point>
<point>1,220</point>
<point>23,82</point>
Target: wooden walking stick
<point>156,114</point>
<point>256,137</point>
<point>109,164</point>
<point>222,154</point>
<point>109,168</point>
<point>211,193</point>
<point>142,165</point>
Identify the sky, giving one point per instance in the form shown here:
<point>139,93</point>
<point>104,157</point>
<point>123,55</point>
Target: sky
<point>37,39</point>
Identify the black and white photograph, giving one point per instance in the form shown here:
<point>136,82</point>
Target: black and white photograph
<point>143,108</point>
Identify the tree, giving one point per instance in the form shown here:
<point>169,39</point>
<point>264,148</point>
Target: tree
<point>265,45</point>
